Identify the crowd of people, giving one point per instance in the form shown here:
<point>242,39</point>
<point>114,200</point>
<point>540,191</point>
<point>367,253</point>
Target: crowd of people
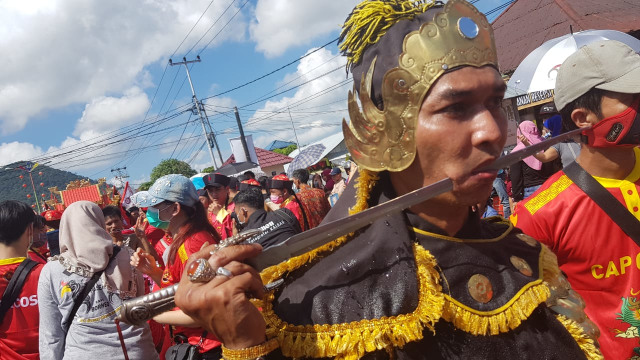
<point>554,278</point>
<point>100,263</point>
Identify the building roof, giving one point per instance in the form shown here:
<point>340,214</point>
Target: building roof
<point>526,24</point>
<point>278,144</point>
<point>89,193</point>
<point>266,158</point>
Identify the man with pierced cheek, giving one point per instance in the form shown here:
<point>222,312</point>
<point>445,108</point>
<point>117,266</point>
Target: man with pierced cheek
<point>434,281</point>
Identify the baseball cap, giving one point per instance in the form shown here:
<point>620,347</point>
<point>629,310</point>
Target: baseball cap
<point>215,180</point>
<point>172,187</point>
<point>335,171</point>
<point>606,64</point>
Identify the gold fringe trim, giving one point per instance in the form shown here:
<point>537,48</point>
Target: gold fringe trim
<point>370,20</point>
<point>365,183</point>
<point>503,319</point>
<point>549,264</point>
<point>584,341</point>
<point>352,340</point>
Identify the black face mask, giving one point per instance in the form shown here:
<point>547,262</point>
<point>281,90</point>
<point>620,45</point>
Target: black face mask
<point>239,224</point>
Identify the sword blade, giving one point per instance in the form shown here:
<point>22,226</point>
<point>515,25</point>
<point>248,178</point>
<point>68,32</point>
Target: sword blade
<point>516,156</point>
<point>318,236</point>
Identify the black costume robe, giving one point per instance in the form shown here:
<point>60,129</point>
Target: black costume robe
<point>400,288</point>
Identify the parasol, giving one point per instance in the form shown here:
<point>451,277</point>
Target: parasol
<point>307,157</point>
<point>536,74</point>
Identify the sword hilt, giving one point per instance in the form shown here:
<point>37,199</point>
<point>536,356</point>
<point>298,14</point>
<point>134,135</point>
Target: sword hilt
<point>138,310</point>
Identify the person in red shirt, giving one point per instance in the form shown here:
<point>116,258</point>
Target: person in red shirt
<point>19,327</point>
<point>217,186</point>
<point>283,196</point>
<point>173,205</point>
<point>597,89</point>
<point>316,206</point>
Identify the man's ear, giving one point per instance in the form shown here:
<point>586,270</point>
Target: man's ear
<point>582,117</point>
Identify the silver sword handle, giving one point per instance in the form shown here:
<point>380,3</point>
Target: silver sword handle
<point>138,310</point>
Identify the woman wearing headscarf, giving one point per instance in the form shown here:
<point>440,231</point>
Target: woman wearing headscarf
<point>528,174</point>
<point>85,249</point>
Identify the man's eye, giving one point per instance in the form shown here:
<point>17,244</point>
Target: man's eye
<point>457,108</point>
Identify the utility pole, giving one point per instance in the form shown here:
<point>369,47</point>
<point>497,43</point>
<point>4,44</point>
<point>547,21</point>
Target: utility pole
<point>294,130</point>
<point>208,135</point>
<point>213,136</point>
<point>121,174</point>
<point>242,139</point>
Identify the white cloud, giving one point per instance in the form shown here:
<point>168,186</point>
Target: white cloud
<point>280,24</point>
<point>61,52</point>
<point>106,113</point>
<point>17,151</point>
<point>315,111</point>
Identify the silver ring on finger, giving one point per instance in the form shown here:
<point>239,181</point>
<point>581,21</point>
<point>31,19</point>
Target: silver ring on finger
<point>200,271</point>
<point>224,272</point>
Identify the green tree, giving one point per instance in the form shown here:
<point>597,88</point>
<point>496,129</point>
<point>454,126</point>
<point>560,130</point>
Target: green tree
<point>145,186</point>
<point>171,166</point>
<point>286,151</point>
<point>208,169</point>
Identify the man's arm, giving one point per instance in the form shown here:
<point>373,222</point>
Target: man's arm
<point>176,318</point>
<point>548,155</point>
<point>517,181</point>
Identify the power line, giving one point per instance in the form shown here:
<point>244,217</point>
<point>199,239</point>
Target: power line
<point>193,27</point>
<point>210,27</point>
<point>223,27</point>
<point>273,71</point>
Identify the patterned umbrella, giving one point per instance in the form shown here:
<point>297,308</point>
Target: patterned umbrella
<point>307,157</point>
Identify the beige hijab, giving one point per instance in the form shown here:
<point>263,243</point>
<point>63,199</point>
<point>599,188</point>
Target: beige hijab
<point>85,248</point>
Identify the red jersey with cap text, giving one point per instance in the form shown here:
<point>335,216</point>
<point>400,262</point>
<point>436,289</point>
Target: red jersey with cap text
<point>19,329</point>
<point>601,261</point>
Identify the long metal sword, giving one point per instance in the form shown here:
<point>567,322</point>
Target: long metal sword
<point>138,310</point>
<point>316,237</point>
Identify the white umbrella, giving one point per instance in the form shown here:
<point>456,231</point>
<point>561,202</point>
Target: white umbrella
<point>537,72</point>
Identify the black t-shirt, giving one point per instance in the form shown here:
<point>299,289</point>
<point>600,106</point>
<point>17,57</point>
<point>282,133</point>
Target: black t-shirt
<point>278,226</point>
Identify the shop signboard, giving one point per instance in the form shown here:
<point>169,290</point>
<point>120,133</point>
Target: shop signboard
<point>534,98</point>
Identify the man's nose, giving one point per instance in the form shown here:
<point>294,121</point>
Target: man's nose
<point>490,129</point>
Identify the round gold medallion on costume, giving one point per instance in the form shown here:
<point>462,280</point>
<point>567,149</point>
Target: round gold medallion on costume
<point>480,288</point>
<point>522,265</point>
<point>527,239</point>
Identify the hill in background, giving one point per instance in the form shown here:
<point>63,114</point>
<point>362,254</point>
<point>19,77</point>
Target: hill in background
<point>11,186</point>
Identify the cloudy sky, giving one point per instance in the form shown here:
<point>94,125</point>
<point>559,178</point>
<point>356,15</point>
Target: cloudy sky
<point>85,85</point>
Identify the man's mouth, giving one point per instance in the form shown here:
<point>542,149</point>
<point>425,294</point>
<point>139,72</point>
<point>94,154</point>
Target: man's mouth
<point>482,168</point>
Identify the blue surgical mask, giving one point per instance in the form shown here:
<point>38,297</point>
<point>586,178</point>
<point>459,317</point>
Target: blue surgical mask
<point>153,217</point>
